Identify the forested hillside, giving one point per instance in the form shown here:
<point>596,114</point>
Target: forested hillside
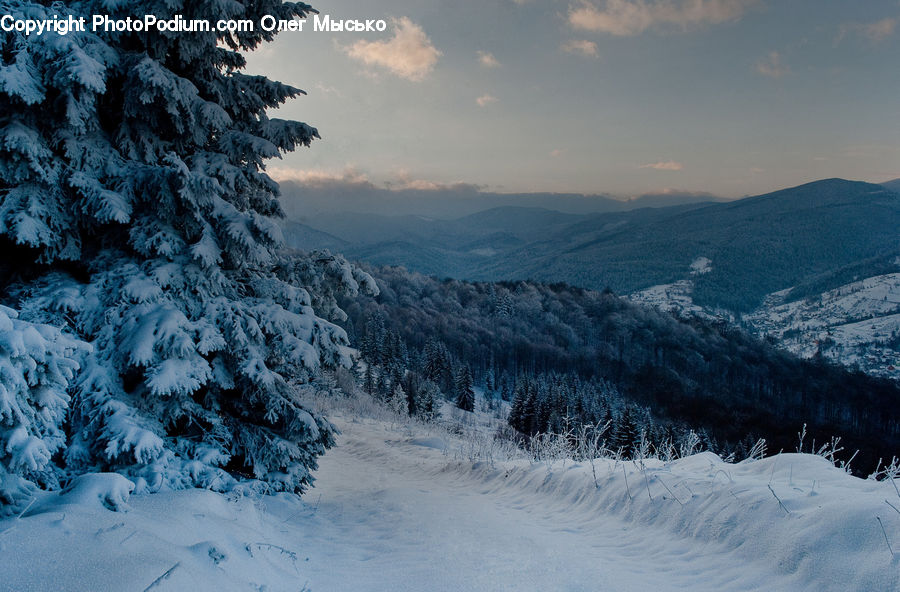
<point>589,356</point>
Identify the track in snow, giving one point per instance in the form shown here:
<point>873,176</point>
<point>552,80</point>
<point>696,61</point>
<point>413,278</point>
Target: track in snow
<point>391,515</point>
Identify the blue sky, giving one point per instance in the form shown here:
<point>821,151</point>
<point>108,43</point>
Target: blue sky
<point>732,97</point>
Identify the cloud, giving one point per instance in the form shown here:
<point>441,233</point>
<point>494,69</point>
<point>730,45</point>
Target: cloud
<point>668,165</point>
<point>772,66</point>
<point>674,192</point>
<point>349,176</point>
<point>328,90</point>
<point>631,17</point>
<point>408,54</point>
<point>557,153</point>
<point>403,180</point>
<point>487,59</point>
<point>485,100</point>
<point>875,32</point>
<point>581,47</point>
<point>671,197</point>
<point>880,30</point>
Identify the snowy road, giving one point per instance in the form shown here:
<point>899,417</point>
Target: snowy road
<point>391,512</point>
<point>391,515</point>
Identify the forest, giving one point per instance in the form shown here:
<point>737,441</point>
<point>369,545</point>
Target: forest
<point>562,354</point>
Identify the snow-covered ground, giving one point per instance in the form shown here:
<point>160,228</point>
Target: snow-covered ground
<point>857,324</point>
<point>403,507</point>
<point>677,298</point>
<point>853,324</point>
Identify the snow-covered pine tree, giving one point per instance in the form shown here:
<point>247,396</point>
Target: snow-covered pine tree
<point>398,402</point>
<point>517,408</point>
<point>428,400</point>
<point>382,386</point>
<point>489,380</point>
<point>626,431</point>
<point>134,205</point>
<point>465,393</point>
<point>369,380</point>
<point>432,364</point>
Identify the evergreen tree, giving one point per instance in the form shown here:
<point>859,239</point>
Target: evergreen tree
<point>516,417</point>
<point>428,400</point>
<point>382,386</point>
<point>37,365</point>
<point>369,381</point>
<point>134,200</point>
<point>465,393</point>
<point>433,366</point>
<point>411,385</point>
<point>367,346</point>
<point>397,401</point>
<point>530,419</point>
<point>490,383</point>
<point>626,431</point>
<point>356,370</point>
<point>505,391</point>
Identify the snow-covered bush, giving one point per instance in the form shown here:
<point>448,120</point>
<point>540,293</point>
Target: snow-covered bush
<point>134,199</point>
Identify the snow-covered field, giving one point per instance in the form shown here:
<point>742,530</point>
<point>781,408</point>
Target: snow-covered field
<point>404,507</point>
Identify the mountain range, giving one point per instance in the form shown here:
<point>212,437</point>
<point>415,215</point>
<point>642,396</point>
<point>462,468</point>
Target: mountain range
<point>823,233</point>
<point>338,196</point>
<point>752,261</point>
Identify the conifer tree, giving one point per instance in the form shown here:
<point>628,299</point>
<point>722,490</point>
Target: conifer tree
<point>397,401</point>
<point>427,401</point>
<point>517,408</point>
<point>411,385</point>
<point>369,380</point>
<point>465,393</point>
<point>37,364</point>
<point>490,382</point>
<point>135,206</point>
<point>382,386</point>
<point>626,431</point>
<point>433,364</point>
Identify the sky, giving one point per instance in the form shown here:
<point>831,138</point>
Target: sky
<point>616,97</point>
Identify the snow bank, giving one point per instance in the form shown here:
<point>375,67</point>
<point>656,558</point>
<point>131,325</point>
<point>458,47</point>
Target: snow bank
<point>186,540</point>
<point>796,512</point>
<point>92,490</point>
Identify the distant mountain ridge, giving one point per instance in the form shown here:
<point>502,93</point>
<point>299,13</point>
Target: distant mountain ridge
<point>757,245</point>
<point>450,202</point>
<point>892,185</point>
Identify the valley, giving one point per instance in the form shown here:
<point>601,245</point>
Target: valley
<point>770,260</point>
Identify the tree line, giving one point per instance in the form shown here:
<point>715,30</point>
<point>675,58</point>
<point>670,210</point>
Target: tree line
<point>680,375</point>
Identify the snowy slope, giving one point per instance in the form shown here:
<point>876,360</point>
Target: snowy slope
<point>400,507</point>
<point>677,297</point>
<point>857,324</point>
